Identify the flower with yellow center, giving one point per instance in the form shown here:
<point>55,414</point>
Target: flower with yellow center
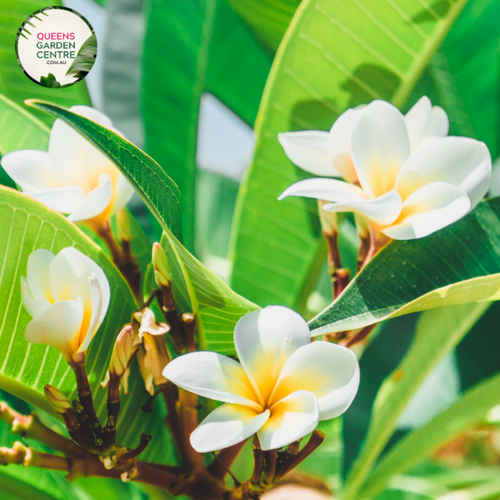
<point>67,296</point>
<point>405,178</point>
<point>283,387</point>
<point>73,177</point>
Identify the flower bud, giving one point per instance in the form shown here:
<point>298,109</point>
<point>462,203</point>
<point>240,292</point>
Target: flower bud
<point>123,351</point>
<point>123,223</point>
<point>160,264</point>
<point>153,356</point>
<point>57,399</point>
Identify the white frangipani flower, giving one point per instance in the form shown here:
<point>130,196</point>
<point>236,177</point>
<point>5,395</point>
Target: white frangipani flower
<point>402,194</point>
<point>67,296</point>
<point>283,387</point>
<point>329,153</point>
<point>73,177</point>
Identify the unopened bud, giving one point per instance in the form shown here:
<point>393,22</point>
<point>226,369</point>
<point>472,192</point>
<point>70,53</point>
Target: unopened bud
<point>123,224</point>
<point>160,265</point>
<point>153,356</point>
<point>57,399</point>
<point>329,220</point>
<point>122,352</point>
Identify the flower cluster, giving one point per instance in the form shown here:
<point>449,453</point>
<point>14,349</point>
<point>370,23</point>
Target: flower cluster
<point>404,176</point>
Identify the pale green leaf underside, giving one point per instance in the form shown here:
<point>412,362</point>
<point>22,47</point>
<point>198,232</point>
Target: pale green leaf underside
<point>335,55</point>
<point>158,191</point>
<point>26,368</point>
<point>457,265</point>
<point>199,290</point>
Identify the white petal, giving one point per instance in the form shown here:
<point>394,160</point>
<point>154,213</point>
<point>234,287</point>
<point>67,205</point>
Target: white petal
<point>307,150</point>
<point>227,425</point>
<point>31,169</point>
<point>382,210</point>
<point>37,274</point>
<point>63,199</point>
<point>328,370</point>
<point>212,376</point>
<point>325,189</point>
<point>95,203</point>
<point>149,325</point>
<point>67,267</point>
<point>429,209</point>
<point>461,161</point>
<point>122,193</point>
<point>425,123</point>
<point>264,341</point>
<point>291,418</point>
<point>58,326</point>
<point>380,146</point>
<point>339,145</point>
<point>34,307</point>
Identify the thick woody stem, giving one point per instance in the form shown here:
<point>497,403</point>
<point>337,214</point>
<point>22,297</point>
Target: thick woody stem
<point>85,397</point>
<point>224,460</point>
<point>92,466</point>
<point>188,416</point>
<point>258,462</point>
<point>30,427</point>
<point>189,322</point>
<point>167,304</point>
<point>271,457</point>
<point>122,258</point>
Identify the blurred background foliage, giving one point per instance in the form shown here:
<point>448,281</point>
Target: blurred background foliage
<point>184,80</point>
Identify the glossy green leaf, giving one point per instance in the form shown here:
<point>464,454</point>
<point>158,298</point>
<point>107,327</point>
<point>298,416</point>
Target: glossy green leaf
<point>471,52</point>
<point>85,59</point>
<point>19,130</point>
<point>269,19</point>
<point>158,191</point>
<point>471,409</point>
<point>25,368</point>
<point>13,82</point>
<point>335,55</point>
<point>198,290</point>
<point>437,333</point>
<point>457,265</point>
<point>209,50</point>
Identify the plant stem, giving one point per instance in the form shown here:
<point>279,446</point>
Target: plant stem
<point>224,460</point>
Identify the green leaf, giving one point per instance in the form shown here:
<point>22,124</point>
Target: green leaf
<point>13,82</point>
<point>50,81</point>
<point>471,409</point>
<point>26,368</point>
<point>269,19</point>
<point>437,333</point>
<point>198,290</point>
<point>471,52</point>
<point>213,51</point>
<point>85,59</point>
<point>333,56</point>
<point>457,265</point>
<point>158,191</point>
<point>19,130</point>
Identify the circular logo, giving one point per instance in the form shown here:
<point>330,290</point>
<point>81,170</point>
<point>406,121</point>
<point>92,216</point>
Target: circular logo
<point>56,47</point>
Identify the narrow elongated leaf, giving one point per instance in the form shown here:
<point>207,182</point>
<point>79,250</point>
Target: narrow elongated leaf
<point>198,290</point>
<point>159,192</point>
<point>437,333</point>
<point>19,130</point>
<point>13,82</point>
<point>468,411</point>
<point>85,59</point>
<point>25,368</point>
<point>457,265</point>
<point>335,55</point>
<point>214,52</point>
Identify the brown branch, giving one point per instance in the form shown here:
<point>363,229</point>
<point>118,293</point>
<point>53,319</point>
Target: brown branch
<point>359,336</point>
<point>224,460</point>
